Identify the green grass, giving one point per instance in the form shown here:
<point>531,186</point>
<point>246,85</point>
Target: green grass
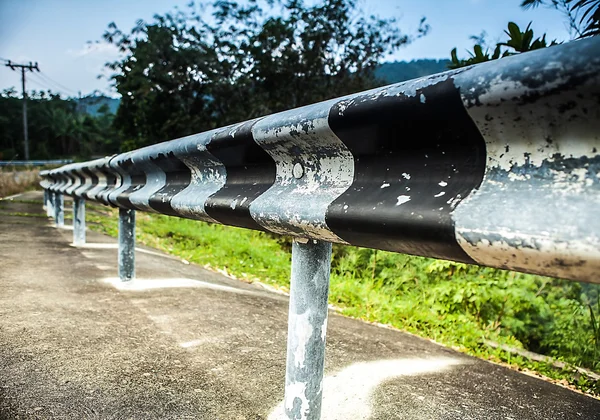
<point>454,304</point>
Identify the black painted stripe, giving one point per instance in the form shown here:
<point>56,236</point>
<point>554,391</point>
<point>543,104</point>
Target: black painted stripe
<point>79,174</point>
<point>86,182</point>
<point>412,143</point>
<point>111,180</point>
<point>94,182</point>
<point>138,180</point>
<point>250,172</point>
<point>178,177</point>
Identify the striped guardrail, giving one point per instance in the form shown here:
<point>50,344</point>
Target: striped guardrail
<point>496,164</point>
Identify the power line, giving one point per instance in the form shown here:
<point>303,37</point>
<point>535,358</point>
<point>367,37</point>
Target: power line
<point>55,83</point>
<point>49,85</point>
<point>37,82</point>
<point>24,67</point>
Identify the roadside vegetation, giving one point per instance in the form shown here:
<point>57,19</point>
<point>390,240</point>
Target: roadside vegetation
<point>473,309</point>
<point>16,181</point>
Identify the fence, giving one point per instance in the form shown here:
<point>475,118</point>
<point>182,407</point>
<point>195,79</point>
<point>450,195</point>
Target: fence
<point>496,164</point>
<point>34,162</point>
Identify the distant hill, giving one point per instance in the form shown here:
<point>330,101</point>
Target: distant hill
<point>91,104</point>
<point>399,71</point>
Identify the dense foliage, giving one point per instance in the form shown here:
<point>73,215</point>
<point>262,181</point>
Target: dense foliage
<point>518,42</point>
<point>57,128</point>
<point>191,71</point>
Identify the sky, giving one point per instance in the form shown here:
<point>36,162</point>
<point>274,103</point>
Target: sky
<point>55,33</point>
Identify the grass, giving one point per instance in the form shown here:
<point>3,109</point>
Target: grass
<point>456,305</point>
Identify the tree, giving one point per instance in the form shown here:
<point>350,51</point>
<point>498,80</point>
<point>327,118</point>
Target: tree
<point>220,63</point>
<point>518,42</point>
<point>583,16</point>
<point>56,128</point>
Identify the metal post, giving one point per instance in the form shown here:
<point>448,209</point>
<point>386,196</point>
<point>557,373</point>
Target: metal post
<point>126,244</point>
<point>45,205</point>
<point>50,204</point>
<point>59,209</point>
<point>25,134</point>
<point>78,221</point>
<point>307,326</point>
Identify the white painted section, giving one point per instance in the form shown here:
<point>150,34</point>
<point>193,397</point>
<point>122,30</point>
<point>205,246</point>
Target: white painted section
<point>116,246</point>
<point>573,259</point>
<point>403,199</point>
<point>138,284</point>
<point>208,175</point>
<point>198,342</point>
<point>155,180</point>
<point>10,197</point>
<point>102,183</point>
<point>73,185</point>
<point>296,390</point>
<point>523,217</point>
<point>297,206</point>
<point>303,332</point>
<point>348,393</point>
<point>123,180</point>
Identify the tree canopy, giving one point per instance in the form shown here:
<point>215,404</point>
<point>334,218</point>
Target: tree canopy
<point>217,63</point>
<point>56,127</point>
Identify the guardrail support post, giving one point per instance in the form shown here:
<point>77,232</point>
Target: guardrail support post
<point>126,244</point>
<point>78,221</point>
<point>45,206</point>
<point>307,326</point>
<point>59,209</point>
<point>50,204</point>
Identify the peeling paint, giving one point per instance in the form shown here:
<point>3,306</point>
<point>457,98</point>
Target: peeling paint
<point>295,137</point>
<point>403,199</point>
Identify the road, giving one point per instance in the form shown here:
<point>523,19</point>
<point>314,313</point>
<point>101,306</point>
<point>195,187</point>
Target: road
<point>181,342</point>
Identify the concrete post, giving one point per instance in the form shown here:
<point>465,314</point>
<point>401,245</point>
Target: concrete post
<point>307,326</point>
<point>59,209</point>
<point>126,244</point>
<point>78,221</point>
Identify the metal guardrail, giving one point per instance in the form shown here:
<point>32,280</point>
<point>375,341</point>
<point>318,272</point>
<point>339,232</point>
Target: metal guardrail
<point>496,164</point>
<point>34,162</point>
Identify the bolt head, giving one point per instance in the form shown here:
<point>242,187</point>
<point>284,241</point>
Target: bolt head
<point>298,171</point>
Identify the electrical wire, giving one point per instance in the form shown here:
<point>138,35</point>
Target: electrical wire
<point>33,77</point>
<point>37,83</point>
<point>44,76</point>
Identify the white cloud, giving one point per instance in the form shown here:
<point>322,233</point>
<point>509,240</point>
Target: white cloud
<point>99,49</point>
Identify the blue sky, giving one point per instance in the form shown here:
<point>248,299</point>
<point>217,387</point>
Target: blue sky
<point>54,32</point>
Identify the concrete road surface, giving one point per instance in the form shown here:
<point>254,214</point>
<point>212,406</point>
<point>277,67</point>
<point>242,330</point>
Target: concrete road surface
<point>185,343</point>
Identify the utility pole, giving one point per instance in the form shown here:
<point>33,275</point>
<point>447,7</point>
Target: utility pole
<point>24,68</point>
